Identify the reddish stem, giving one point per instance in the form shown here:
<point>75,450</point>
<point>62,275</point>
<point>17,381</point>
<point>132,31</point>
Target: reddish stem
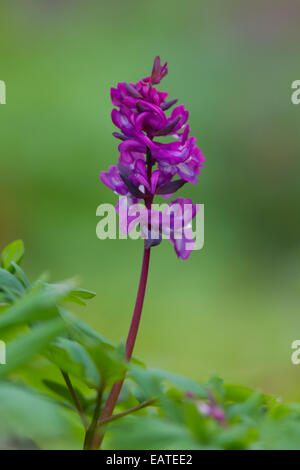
<point>135,322</point>
<point>131,338</point>
<point>138,306</point>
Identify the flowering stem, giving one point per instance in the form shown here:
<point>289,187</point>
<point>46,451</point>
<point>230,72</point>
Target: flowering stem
<point>131,338</point>
<point>135,322</point>
<point>138,306</point>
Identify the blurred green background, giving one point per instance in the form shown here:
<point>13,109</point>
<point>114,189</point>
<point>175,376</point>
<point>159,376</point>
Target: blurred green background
<point>232,309</point>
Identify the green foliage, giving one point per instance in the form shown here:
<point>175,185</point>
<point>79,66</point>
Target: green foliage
<point>72,358</point>
<point>59,370</point>
<point>13,253</point>
<point>27,414</point>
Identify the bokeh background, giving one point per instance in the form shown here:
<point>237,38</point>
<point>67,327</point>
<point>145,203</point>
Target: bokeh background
<point>232,309</point>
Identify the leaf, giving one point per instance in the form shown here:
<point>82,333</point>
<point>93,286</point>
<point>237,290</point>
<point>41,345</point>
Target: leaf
<point>110,363</point>
<point>73,299</point>
<point>10,283</point>
<point>203,428</point>
<point>185,384</point>
<point>281,434</point>
<point>13,252</point>
<point>20,350</point>
<point>73,359</point>
<point>237,437</point>
<point>252,407</point>
<point>240,393</point>
<point>109,360</point>
<point>216,385</point>
<point>26,413</point>
<point>82,332</point>
<point>76,296</point>
<point>148,382</point>
<point>63,392</point>
<point>22,276</point>
<point>37,304</point>
<point>83,293</point>
<point>145,432</point>
<point>280,410</point>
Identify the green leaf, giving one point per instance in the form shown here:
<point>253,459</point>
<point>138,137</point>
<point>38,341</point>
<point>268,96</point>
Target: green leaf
<point>27,309</point>
<point>280,410</point>
<point>20,350</point>
<point>63,392</point>
<point>204,428</point>
<point>240,393</point>
<point>145,432</point>
<point>180,381</point>
<point>109,360</point>
<point>82,332</point>
<point>22,276</point>
<point>27,414</point>
<point>148,381</point>
<point>216,386</point>
<point>10,284</point>
<point>13,252</point>
<point>280,434</point>
<point>37,304</point>
<point>78,295</point>
<point>237,437</point>
<point>73,359</point>
<point>110,363</point>
<point>252,407</point>
<point>237,393</point>
<point>73,299</point>
<point>83,293</point>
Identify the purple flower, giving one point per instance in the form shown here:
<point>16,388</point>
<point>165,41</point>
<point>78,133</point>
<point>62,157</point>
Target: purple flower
<point>174,223</point>
<point>112,180</point>
<point>213,410</point>
<point>209,408</point>
<point>140,115</point>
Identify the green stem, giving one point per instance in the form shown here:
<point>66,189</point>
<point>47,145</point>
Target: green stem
<point>91,431</point>
<point>142,405</point>
<point>76,401</point>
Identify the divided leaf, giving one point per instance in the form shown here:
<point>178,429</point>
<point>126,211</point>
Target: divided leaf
<point>20,350</point>
<point>37,304</point>
<point>73,359</point>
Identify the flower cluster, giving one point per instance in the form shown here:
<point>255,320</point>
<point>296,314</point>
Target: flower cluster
<point>141,117</point>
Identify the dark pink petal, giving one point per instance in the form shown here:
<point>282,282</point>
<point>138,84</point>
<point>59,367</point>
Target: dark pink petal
<point>154,180</point>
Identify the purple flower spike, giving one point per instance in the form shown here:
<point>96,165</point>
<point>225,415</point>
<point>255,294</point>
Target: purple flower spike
<point>148,166</point>
<point>140,114</point>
